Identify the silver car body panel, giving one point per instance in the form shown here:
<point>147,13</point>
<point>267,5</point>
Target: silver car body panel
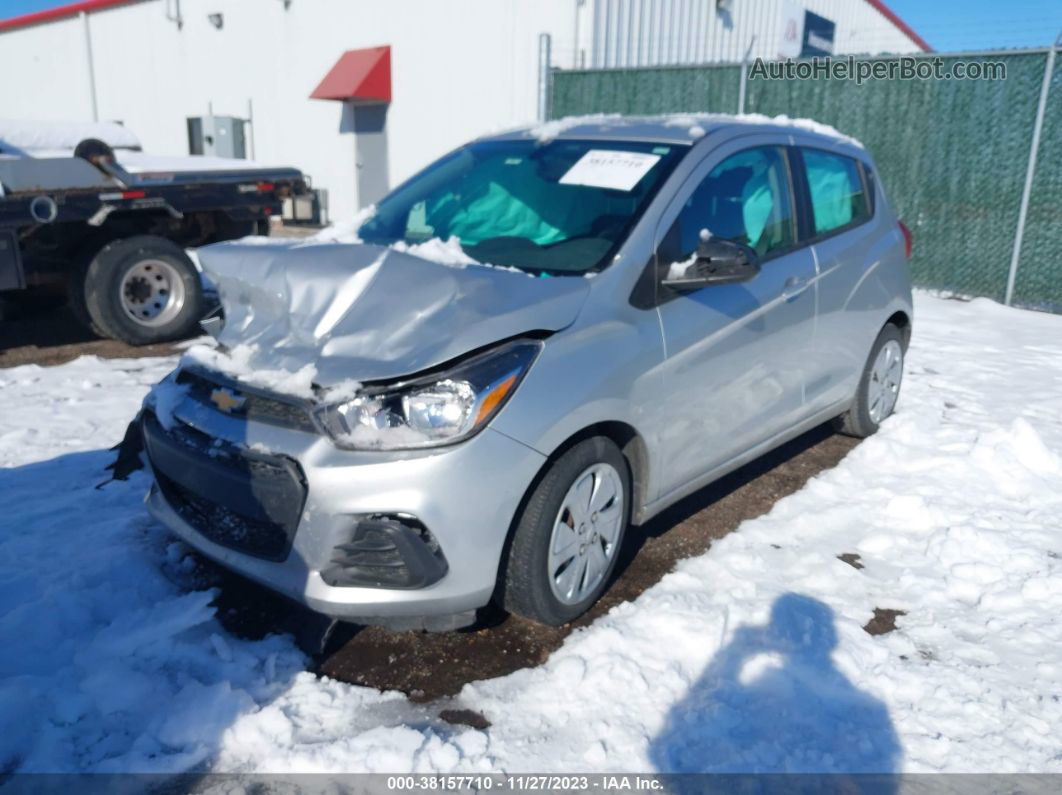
<point>463,493</point>
<point>371,312</point>
<point>704,382</point>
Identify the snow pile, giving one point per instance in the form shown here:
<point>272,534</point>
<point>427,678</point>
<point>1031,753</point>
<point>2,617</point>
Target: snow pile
<point>750,657</point>
<point>548,130</point>
<point>29,136</point>
<point>810,125</point>
<point>107,660</point>
<point>696,124</point>
<point>444,252</point>
<point>239,362</point>
<point>692,123</point>
<point>142,163</point>
<point>344,231</point>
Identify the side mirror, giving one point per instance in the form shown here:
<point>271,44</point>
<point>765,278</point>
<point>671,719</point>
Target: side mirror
<point>717,261</point>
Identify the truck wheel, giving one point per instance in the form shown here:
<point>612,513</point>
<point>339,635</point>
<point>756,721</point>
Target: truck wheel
<point>142,290</point>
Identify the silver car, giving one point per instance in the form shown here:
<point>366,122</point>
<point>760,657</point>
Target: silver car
<point>540,341</point>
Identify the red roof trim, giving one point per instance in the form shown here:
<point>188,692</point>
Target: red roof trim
<point>62,12</point>
<point>363,75</point>
<point>890,15</point>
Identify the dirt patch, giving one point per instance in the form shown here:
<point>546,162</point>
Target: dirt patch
<point>852,559</point>
<point>884,621</point>
<point>465,717</point>
<point>54,336</point>
<point>429,666</point>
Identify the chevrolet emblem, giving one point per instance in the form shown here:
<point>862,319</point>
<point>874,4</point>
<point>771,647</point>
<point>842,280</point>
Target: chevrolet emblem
<point>226,400</point>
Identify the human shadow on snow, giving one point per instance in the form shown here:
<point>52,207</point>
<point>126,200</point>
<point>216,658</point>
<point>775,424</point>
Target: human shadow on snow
<point>772,701</point>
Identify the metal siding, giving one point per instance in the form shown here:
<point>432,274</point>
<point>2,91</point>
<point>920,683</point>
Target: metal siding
<point>630,33</point>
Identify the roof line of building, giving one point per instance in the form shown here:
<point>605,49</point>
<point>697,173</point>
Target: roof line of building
<point>73,9</point>
<point>62,12</point>
<point>903,27</point>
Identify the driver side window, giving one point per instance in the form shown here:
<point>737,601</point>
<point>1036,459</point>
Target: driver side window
<point>745,198</point>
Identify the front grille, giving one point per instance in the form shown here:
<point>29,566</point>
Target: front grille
<point>223,526</point>
<point>247,501</point>
<point>254,406</point>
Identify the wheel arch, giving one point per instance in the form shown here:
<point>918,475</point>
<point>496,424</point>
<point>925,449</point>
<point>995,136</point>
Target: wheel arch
<point>902,321</point>
<point>631,445</point>
<point>635,453</point>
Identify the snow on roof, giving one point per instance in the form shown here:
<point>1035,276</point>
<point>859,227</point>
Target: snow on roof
<point>679,127</point>
<point>31,136</point>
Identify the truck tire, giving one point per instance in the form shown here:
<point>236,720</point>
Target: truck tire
<point>141,290</point>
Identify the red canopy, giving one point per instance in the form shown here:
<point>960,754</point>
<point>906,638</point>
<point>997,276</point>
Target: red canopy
<point>358,74</point>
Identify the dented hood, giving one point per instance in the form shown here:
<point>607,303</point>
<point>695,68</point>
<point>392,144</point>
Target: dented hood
<point>367,312</point>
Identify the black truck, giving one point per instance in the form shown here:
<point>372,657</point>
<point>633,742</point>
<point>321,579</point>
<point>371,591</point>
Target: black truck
<point>114,241</point>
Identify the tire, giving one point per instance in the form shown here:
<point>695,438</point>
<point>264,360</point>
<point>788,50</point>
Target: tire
<point>884,364</point>
<point>140,290</point>
<point>530,586</point>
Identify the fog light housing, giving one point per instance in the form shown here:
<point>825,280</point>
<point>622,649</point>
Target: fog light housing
<point>387,552</point>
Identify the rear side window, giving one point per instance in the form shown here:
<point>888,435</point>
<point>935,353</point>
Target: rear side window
<point>745,199</point>
<point>838,197</point>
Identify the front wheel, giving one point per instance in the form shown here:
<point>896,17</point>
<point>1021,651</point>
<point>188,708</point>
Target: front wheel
<point>568,538</point>
<point>879,386</point>
<point>142,290</point>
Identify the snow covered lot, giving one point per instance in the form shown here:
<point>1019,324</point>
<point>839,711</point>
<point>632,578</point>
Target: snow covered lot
<point>751,657</point>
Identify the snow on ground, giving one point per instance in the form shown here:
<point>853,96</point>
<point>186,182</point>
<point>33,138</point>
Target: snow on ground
<point>748,658</point>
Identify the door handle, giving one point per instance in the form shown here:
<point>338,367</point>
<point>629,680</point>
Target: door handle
<point>794,286</point>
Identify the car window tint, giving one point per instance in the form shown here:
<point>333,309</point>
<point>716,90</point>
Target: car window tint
<point>868,178</point>
<point>547,207</point>
<point>837,196</point>
<point>745,199</point>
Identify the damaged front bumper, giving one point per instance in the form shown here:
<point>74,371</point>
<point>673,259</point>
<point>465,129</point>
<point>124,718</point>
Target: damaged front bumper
<point>371,537</point>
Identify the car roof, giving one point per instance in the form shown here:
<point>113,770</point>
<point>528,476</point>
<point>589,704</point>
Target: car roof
<point>677,128</point>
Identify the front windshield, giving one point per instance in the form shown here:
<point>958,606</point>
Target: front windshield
<point>557,208</point>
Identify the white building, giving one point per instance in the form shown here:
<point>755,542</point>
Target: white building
<point>419,76</point>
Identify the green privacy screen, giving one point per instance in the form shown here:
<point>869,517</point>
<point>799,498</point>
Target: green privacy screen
<point>951,153</point>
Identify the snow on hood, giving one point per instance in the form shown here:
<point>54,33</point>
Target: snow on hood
<point>368,312</point>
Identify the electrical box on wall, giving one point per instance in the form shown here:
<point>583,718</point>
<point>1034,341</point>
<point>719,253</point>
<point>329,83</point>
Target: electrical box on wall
<point>220,136</point>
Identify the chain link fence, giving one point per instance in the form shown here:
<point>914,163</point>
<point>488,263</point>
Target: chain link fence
<point>952,154</point>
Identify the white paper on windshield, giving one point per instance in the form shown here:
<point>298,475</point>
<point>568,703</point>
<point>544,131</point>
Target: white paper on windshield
<point>607,168</point>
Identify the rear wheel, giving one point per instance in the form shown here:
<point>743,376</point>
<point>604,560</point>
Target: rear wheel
<point>566,543</point>
<point>879,386</point>
<point>142,290</point>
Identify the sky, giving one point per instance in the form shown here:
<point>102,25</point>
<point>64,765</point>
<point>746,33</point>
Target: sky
<point>948,25</point>
<point>956,25</point>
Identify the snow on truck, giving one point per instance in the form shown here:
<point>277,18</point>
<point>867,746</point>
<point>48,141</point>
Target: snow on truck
<point>83,210</point>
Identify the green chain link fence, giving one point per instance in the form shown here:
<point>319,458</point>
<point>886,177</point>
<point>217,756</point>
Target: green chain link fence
<point>952,154</point>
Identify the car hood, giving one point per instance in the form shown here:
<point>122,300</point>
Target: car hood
<point>373,313</point>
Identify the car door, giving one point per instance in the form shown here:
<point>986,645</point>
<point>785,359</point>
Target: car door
<point>844,245</point>
<point>734,371</point>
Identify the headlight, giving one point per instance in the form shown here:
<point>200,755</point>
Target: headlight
<point>431,411</point>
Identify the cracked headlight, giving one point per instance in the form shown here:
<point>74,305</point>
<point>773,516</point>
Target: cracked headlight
<point>435,410</point>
